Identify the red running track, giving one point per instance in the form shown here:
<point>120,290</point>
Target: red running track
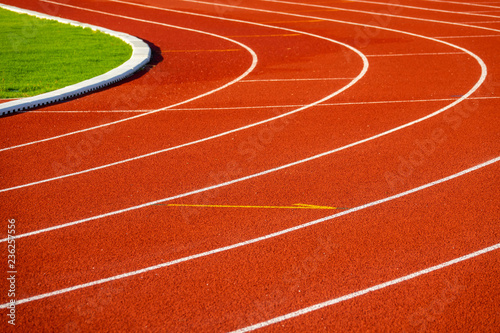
<point>279,166</point>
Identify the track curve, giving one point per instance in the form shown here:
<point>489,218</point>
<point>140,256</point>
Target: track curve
<point>228,251</point>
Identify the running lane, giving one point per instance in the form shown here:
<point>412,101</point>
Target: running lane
<point>143,135</point>
<point>253,283</point>
<point>167,80</point>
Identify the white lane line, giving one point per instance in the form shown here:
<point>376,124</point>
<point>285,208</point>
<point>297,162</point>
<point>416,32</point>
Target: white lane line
<point>88,111</point>
<point>413,54</point>
<point>465,3</point>
<point>249,242</point>
<point>383,14</point>
<point>477,58</point>
<point>424,9</point>
<point>347,86</point>
<point>353,23</point>
<point>248,71</point>
<point>474,36</point>
<point>91,111</point>
<point>482,22</point>
<point>459,100</point>
<point>288,106</point>
<point>259,24</point>
<point>293,80</point>
<point>254,240</point>
<point>121,211</point>
<point>358,293</point>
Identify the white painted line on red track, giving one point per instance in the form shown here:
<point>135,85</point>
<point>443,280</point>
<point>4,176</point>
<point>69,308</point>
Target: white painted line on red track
<point>349,23</point>
<point>358,293</point>
<point>347,86</point>
<point>482,22</point>
<point>414,54</point>
<point>464,3</point>
<point>248,242</point>
<point>239,78</point>
<point>294,80</point>
<point>92,111</point>
<point>252,241</point>
<point>125,210</point>
<point>383,14</point>
<point>465,96</point>
<point>392,282</point>
<point>260,24</point>
<point>286,106</point>
<point>424,9</point>
<point>474,36</point>
<point>159,8</point>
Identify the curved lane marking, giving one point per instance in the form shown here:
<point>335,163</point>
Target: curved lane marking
<point>424,9</point>
<point>251,241</point>
<point>358,293</point>
<point>383,14</point>
<point>198,141</point>
<point>472,90</point>
<point>465,3</point>
<point>248,71</point>
<point>286,106</point>
<point>275,234</point>
<point>469,36</point>
<point>347,86</point>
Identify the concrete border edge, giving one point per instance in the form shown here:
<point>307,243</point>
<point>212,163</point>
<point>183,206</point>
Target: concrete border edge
<point>141,54</point>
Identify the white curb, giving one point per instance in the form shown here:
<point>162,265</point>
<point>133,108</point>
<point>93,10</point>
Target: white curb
<point>141,53</point>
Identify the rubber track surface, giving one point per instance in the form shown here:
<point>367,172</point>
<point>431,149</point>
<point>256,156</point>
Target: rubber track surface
<point>187,210</point>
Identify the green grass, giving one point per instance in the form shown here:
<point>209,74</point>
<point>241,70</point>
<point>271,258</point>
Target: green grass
<point>38,55</point>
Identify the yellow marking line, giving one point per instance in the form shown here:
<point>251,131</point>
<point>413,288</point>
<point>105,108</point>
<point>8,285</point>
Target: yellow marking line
<point>295,206</point>
<point>281,35</point>
<point>227,50</point>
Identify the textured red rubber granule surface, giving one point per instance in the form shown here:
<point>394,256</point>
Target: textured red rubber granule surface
<point>274,162</point>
